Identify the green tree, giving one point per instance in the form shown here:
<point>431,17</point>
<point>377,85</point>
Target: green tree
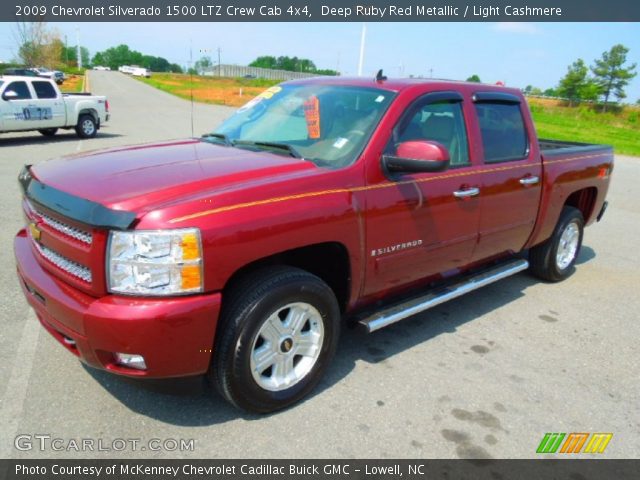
<point>535,91</point>
<point>69,55</point>
<point>574,81</point>
<point>611,74</point>
<point>202,64</point>
<point>290,64</point>
<point>550,92</point>
<point>474,78</point>
<point>264,62</point>
<point>115,57</point>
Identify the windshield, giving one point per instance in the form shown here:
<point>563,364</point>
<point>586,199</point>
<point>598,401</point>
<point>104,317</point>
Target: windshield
<point>326,124</point>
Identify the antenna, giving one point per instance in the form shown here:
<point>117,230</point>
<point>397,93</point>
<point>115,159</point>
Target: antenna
<point>380,77</point>
<point>191,81</point>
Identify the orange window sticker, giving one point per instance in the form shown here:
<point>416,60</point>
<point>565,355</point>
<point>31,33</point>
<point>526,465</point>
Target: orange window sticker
<point>312,116</point>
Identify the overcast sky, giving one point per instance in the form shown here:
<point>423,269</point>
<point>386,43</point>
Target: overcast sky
<point>518,54</point>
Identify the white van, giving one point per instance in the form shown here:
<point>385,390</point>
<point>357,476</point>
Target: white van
<point>141,72</point>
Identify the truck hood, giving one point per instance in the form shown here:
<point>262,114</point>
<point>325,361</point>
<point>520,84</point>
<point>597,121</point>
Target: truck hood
<point>143,177</point>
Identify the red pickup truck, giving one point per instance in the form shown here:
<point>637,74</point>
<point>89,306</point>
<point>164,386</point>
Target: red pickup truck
<point>240,254</point>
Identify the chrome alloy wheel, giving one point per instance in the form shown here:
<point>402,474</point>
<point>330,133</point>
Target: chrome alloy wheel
<point>88,127</point>
<point>287,346</point>
<point>568,246</point>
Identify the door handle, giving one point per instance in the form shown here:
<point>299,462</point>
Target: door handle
<point>529,180</point>
<point>469,192</point>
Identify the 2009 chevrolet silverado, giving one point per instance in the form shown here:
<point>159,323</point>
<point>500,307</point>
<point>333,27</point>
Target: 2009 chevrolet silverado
<point>238,254</point>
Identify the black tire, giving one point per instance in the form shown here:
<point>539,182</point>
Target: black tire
<point>86,126</point>
<point>246,310</point>
<point>543,258</point>
<point>48,132</point>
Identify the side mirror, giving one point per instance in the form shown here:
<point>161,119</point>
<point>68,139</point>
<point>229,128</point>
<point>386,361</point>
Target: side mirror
<point>417,156</point>
<point>9,95</point>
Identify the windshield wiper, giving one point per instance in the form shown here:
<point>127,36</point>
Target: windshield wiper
<point>291,150</point>
<point>219,136</point>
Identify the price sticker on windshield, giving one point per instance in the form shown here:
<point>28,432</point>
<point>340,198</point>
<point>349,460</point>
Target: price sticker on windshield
<point>312,116</point>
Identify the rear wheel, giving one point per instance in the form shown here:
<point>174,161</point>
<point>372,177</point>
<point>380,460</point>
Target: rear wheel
<point>86,127</point>
<point>48,132</point>
<point>554,259</point>
<point>278,333</point>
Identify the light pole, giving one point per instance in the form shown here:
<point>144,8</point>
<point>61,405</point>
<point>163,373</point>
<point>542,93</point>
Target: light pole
<point>79,53</point>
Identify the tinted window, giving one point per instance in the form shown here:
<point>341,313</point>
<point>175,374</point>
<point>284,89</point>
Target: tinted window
<point>21,89</point>
<point>504,136</point>
<point>44,90</point>
<point>443,123</point>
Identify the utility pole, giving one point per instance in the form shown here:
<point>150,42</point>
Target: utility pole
<point>362,40</point>
<point>219,64</point>
<point>79,53</point>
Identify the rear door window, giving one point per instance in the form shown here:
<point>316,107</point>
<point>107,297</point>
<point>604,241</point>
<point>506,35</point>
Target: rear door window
<point>44,90</point>
<point>504,136</point>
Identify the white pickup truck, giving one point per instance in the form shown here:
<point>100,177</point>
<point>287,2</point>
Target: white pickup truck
<point>32,103</point>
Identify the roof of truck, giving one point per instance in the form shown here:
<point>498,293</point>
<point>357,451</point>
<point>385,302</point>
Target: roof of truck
<point>21,77</point>
<point>397,84</point>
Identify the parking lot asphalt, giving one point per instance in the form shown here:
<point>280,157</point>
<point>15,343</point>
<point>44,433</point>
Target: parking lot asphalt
<point>483,376</point>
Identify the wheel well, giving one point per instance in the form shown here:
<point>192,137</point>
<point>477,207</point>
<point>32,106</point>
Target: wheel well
<point>329,261</point>
<point>89,111</point>
<point>584,200</point>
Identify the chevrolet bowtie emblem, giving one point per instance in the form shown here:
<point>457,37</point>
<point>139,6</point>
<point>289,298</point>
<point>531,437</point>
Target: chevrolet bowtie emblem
<point>35,232</point>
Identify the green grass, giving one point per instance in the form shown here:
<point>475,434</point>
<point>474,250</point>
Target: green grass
<point>583,124</point>
<point>215,90</point>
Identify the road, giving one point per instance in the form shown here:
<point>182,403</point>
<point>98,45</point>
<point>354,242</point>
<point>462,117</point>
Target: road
<point>484,376</point>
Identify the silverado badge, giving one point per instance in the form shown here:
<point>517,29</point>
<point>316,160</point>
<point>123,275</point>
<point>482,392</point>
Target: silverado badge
<point>35,231</point>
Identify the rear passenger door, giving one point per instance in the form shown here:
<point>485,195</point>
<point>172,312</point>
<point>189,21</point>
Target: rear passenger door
<point>50,111</point>
<point>512,175</point>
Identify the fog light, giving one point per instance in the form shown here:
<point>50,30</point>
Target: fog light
<point>131,360</point>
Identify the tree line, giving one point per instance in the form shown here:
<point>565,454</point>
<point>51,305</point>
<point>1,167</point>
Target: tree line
<point>606,78</point>
<point>290,64</point>
<point>114,57</point>
<point>41,46</point>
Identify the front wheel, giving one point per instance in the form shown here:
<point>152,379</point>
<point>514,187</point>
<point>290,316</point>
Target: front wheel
<point>86,127</point>
<point>277,336</point>
<point>554,259</point>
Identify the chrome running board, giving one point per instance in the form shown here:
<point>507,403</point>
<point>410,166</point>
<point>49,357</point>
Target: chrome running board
<point>411,307</point>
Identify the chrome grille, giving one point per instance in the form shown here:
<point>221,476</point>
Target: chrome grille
<point>81,235</point>
<point>69,266</point>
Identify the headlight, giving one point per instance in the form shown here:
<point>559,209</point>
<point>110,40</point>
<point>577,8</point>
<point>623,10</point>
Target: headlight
<point>155,262</point>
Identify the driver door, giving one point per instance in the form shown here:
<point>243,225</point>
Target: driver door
<point>421,225</point>
<point>13,110</point>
